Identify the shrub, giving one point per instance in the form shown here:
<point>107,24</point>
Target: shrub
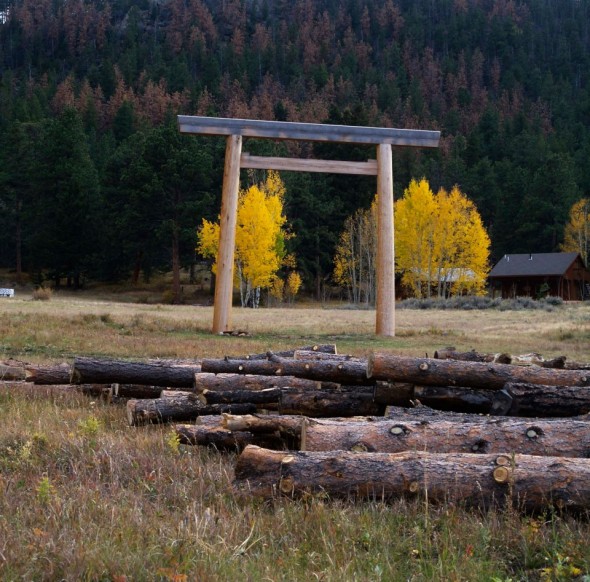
<point>470,302</point>
<point>42,294</point>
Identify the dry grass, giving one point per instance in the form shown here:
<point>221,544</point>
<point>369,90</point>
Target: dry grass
<point>85,497</point>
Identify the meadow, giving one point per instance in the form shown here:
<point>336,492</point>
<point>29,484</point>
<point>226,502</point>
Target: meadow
<point>85,497</point>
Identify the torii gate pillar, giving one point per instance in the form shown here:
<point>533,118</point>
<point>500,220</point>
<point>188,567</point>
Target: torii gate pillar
<point>385,308</point>
<point>383,138</point>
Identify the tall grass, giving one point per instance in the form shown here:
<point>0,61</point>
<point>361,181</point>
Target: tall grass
<point>85,497</point>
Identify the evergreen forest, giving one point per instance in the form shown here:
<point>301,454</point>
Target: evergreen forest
<point>97,184</point>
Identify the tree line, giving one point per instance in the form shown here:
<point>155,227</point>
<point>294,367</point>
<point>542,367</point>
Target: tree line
<point>97,184</point>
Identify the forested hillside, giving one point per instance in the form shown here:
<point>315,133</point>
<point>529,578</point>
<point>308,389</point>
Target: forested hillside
<point>96,182</point>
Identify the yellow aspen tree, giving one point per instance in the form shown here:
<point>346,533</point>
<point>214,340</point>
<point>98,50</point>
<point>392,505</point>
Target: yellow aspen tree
<point>260,238</point>
<point>293,285</point>
<point>354,262</point>
<point>577,230</point>
<point>462,245</point>
<point>440,242</point>
<point>415,217</point>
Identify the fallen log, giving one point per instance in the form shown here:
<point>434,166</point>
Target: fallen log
<point>339,372</point>
<point>258,397</point>
<point>136,391</point>
<point>557,438</point>
<point>346,401</point>
<point>449,398</point>
<point>519,399</point>
<point>428,371</point>
<point>317,348</point>
<point>227,382</point>
<point>91,371</point>
<point>524,481</point>
<point>178,407</point>
<point>12,373</point>
<point>315,356</point>
<point>264,423</point>
<point>451,353</point>
<point>59,374</point>
<point>571,365</point>
<point>227,440</point>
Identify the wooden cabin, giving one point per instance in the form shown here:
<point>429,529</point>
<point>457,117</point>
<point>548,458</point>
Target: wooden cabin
<point>541,274</point>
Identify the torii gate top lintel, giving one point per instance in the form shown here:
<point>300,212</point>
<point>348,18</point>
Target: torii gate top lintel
<point>308,131</point>
<point>383,138</point>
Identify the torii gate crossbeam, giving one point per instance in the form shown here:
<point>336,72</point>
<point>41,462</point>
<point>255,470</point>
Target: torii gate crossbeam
<point>383,138</point>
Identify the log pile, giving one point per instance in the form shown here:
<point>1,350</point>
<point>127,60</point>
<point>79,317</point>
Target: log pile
<point>463,426</point>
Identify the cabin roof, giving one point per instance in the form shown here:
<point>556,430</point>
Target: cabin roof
<point>533,264</point>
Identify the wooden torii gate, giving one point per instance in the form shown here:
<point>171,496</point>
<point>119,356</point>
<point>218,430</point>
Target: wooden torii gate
<point>383,138</point>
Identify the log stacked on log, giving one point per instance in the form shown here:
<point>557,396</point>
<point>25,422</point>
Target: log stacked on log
<point>524,481</point>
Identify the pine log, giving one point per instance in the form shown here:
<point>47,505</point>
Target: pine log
<point>519,399</point>
<point>225,440</point>
<point>451,353</point>
<point>346,401</point>
<point>136,391</point>
<point>258,397</point>
<point>264,423</point>
<point>571,365</point>
<point>227,382</point>
<point>427,371</point>
<point>317,348</point>
<point>449,398</point>
<point>339,372</point>
<point>59,374</point>
<point>315,356</point>
<point>12,373</point>
<point>526,482</point>
<point>177,407</point>
<point>557,438</point>
<point>88,370</point>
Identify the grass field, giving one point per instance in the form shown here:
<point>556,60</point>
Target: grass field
<point>85,497</point>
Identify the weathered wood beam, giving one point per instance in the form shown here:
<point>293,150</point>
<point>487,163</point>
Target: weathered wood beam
<point>307,131</point>
<point>368,168</point>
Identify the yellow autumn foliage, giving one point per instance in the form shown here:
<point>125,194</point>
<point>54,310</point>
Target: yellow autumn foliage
<point>577,230</point>
<point>260,237</point>
<point>440,242</point>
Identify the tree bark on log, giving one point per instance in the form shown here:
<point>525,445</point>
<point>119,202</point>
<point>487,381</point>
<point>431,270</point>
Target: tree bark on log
<point>523,481</point>
<point>227,382</point>
<point>91,371</point>
<point>137,391</point>
<point>12,373</point>
<point>448,398</point>
<point>226,440</point>
<point>339,372</point>
<point>346,401</point>
<point>59,374</point>
<point>264,423</point>
<point>177,407</point>
<point>317,348</point>
<point>427,371</point>
<point>258,397</point>
<point>451,353</point>
<point>557,438</point>
<point>317,356</point>
<point>518,399</point>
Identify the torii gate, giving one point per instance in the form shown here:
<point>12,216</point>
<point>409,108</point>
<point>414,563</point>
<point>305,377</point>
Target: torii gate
<point>383,138</point>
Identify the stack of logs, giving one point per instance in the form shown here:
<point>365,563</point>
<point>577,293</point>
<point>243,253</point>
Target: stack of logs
<point>466,427</point>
